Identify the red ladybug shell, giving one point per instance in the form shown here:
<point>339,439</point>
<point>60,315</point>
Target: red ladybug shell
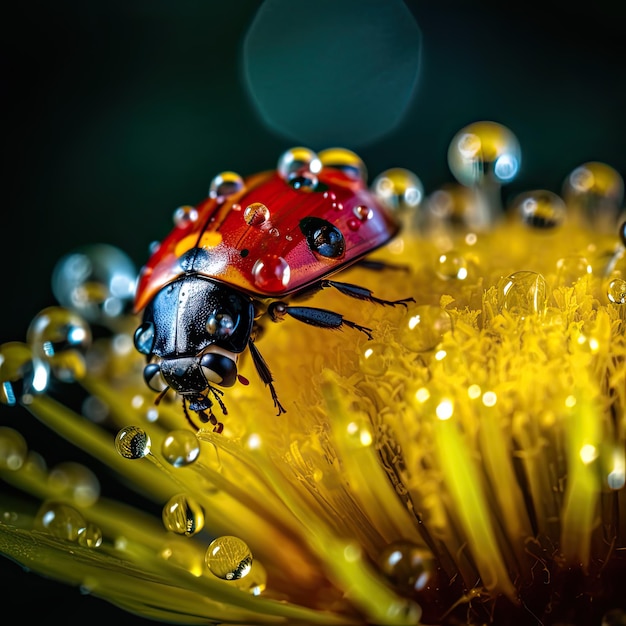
<point>271,239</point>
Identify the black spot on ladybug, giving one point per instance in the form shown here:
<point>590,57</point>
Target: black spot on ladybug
<point>244,253</point>
<point>323,238</point>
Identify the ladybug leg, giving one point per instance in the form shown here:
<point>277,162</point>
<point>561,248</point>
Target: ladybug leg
<point>265,374</point>
<point>361,293</point>
<point>322,318</point>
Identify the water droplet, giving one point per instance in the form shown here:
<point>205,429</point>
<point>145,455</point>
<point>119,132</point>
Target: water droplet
<point>323,238</point>
<point>13,449</point>
<point>132,442</point>
<point>616,291</point>
<point>96,281</point>
<point>61,337</point>
<point>540,209</point>
<point>399,189</point>
<point>255,581</point>
<point>376,358</point>
<point>594,191</point>
<point>256,214</point>
<point>274,232</point>
<point>424,327</point>
<point>298,159</point>
<point>406,565</point>
<point>522,293</point>
<point>226,184</point>
<point>271,273</point>
<point>22,374</point>
<point>571,269</point>
<point>362,212</point>
<point>303,181</point>
<point>228,558</point>
<point>359,431</point>
<point>183,515</point>
<point>60,520</point>
<point>484,151</point>
<point>75,482</point>
<point>451,264</point>
<point>180,448</point>
<point>345,160</point>
<point>90,536</point>
<point>185,215</point>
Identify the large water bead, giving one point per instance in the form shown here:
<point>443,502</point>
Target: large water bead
<point>97,281</point>
<point>399,189</point>
<point>133,442</point>
<point>424,327</point>
<point>298,159</point>
<point>345,160</point>
<point>523,293</point>
<point>74,482</point>
<point>228,558</point>
<point>407,566</point>
<point>226,184</point>
<point>183,515</point>
<point>61,337</point>
<point>616,291</point>
<point>484,151</point>
<point>13,449</point>
<point>180,447</point>
<point>540,209</point>
<point>60,520</point>
<point>22,374</point>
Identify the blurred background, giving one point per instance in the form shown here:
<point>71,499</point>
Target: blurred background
<point>118,112</point>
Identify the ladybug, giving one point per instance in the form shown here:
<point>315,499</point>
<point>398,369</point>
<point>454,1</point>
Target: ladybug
<point>245,254</point>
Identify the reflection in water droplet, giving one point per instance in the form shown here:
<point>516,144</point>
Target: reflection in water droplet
<point>616,291</point>
<point>76,482</point>
<point>180,447</point>
<point>540,209</point>
<point>60,337</point>
<point>255,581</point>
<point>132,442</point>
<point>22,374</point>
<point>271,273</point>
<point>296,160</point>
<point>424,327</point>
<point>13,449</point>
<point>451,264</point>
<point>345,160</point>
<point>185,215</point>
<point>256,214</point>
<point>228,558</point>
<point>376,358</point>
<point>406,566</point>
<point>60,520</point>
<point>96,281</point>
<point>522,293</point>
<point>303,181</point>
<point>226,184</point>
<point>183,515</point>
<point>90,536</point>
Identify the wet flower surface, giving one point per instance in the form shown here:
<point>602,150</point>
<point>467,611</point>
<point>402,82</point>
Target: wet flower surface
<point>465,466</point>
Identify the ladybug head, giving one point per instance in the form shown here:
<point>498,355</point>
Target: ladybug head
<point>192,333</point>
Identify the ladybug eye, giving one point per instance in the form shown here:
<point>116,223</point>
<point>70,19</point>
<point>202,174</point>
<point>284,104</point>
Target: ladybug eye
<point>144,338</point>
<point>220,325</point>
<point>303,181</point>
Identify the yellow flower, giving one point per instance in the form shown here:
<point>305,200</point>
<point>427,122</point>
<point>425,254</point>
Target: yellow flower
<point>467,465</point>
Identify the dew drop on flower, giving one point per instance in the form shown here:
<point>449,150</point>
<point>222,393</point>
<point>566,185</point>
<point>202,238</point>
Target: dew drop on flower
<point>400,190</point>
<point>375,358</point>
<point>570,269</point>
<point>183,515</point>
<point>298,159</point>
<point>424,327</point>
<point>228,558</point>
<point>522,293</point>
<point>13,449</point>
<point>406,565</point>
<point>96,281</point>
<point>540,209</point>
<point>22,374</point>
<point>484,151</point>
<point>345,160</point>
<point>451,265</point>
<point>61,337</point>
<point>75,482</point>
<point>256,214</point>
<point>185,215</point>
<point>90,536</point>
<point>226,184</point>
<point>180,447</point>
<point>271,273</point>
<point>132,442</point>
<point>616,291</point>
<point>60,520</point>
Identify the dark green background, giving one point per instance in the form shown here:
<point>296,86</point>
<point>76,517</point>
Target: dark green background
<point>117,112</point>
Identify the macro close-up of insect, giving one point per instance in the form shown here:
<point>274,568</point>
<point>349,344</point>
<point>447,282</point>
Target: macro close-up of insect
<point>242,256</point>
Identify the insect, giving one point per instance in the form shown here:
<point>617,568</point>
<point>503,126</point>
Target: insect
<point>244,255</point>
